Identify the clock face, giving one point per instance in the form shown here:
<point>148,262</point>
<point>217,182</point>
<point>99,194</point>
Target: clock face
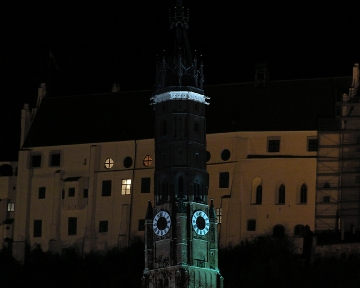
<point>161,223</point>
<point>200,222</point>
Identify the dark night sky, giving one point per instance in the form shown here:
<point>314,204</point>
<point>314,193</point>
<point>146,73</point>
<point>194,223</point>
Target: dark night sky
<point>95,44</point>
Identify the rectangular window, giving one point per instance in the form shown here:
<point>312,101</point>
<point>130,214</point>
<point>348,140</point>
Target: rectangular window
<point>224,180</point>
<point>125,186</point>
<point>326,199</point>
<point>37,228</point>
<point>273,144</point>
<point>72,225</point>
<point>103,226</point>
<point>106,188</point>
<point>219,214</point>
<point>71,192</point>
<point>11,207</point>
<point>42,192</point>
<point>63,194</point>
<point>145,185</point>
<point>251,225</point>
<point>312,144</point>
<point>55,159</point>
<point>141,225</point>
<point>86,193</point>
<point>35,161</point>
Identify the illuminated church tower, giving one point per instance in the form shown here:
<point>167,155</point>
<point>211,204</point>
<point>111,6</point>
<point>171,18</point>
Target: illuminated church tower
<point>181,241</point>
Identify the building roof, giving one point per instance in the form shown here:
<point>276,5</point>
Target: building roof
<point>294,105</point>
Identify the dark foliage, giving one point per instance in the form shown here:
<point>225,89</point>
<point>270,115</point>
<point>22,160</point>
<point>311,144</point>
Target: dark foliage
<point>263,262</point>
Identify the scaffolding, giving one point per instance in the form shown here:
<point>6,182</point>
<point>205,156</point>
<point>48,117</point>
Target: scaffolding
<point>338,166</point>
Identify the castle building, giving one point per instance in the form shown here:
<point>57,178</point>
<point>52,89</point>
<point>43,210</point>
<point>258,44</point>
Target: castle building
<point>86,165</point>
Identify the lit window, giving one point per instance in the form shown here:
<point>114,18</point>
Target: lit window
<point>219,214</point>
<point>224,180</point>
<point>10,207</point>
<point>312,144</point>
<point>251,225</point>
<point>273,144</point>
<point>125,186</point>
<point>106,188</point>
<point>42,192</point>
<point>109,163</point>
<point>103,226</point>
<point>37,228</point>
<point>145,185</point>
<point>147,161</point>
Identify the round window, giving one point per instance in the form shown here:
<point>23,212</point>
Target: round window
<point>208,156</point>
<point>147,161</point>
<point>109,163</point>
<point>128,162</point>
<point>225,155</point>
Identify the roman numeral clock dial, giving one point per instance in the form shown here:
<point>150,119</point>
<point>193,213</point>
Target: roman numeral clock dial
<point>200,222</point>
<point>161,223</point>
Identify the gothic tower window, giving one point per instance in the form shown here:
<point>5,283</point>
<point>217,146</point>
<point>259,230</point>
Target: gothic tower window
<point>164,191</point>
<point>198,193</point>
<point>181,186</point>
<point>164,127</point>
<point>196,126</point>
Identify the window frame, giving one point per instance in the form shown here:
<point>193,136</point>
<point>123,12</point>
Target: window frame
<point>273,144</point>
<point>52,160</point>
<point>224,179</point>
<point>72,226</point>
<point>106,187</point>
<point>145,185</point>
<point>103,226</point>
<point>251,225</point>
<point>37,231</point>
<point>312,144</point>
<point>35,160</point>
<point>125,186</point>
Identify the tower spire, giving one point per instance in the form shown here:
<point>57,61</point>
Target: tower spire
<point>183,70</point>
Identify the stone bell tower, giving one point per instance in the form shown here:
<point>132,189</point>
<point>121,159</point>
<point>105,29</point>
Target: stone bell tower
<point>181,246</point>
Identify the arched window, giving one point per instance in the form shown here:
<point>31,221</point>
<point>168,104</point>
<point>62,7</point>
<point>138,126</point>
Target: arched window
<point>198,193</point>
<point>281,194</point>
<point>326,185</point>
<point>196,126</point>
<point>258,200</point>
<point>303,194</point>
<point>278,231</point>
<point>164,127</point>
<point>164,196</point>
<point>181,187</point>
